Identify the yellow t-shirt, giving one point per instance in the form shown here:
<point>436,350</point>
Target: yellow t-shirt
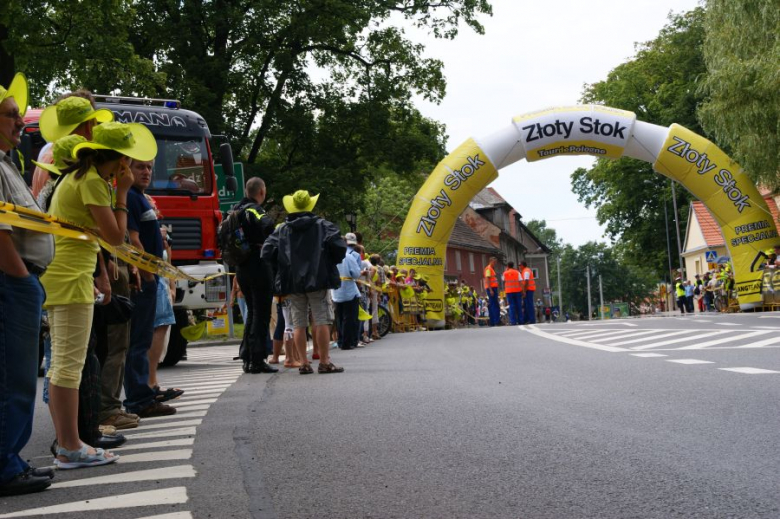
<point>69,279</point>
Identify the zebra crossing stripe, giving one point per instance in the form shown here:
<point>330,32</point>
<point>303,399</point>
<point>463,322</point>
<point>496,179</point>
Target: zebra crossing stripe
<point>144,427</point>
<point>160,497</point>
<point>182,442</point>
<point>193,414</point>
<point>676,341</point>
<point>761,344</point>
<point>669,333</point>
<point>594,333</point>
<point>180,471</point>
<point>534,330</point>
<point>191,404</point>
<point>750,371</point>
<point>726,339</point>
<point>690,361</point>
<point>183,431</point>
<point>630,333</point>
<point>174,515</point>
<point>146,457</point>
<point>648,355</point>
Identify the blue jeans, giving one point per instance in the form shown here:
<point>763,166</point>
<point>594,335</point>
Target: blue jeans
<point>530,318</point>
<point>494,309</point>
<point>21,300</point>
<point>138,394</point>
<point>515,300</point>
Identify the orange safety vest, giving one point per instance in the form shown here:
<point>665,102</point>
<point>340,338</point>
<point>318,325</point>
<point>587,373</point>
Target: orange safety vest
<point>490,277</point>
<point>512,281</point>
<point>530,284</point>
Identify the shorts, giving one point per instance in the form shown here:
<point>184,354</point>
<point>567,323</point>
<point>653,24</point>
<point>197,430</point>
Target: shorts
<point>318,301</point>
<point>279,329</point>
<point>163,315</point>
<point>70,328</point>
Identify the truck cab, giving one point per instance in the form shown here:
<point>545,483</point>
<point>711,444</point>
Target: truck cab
<point>184,186</point>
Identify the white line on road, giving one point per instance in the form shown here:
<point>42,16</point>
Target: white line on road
<point>648,355</point>
<point>144,427</point>
<point>178,404</point>
<point>163,496</point>
<point>761,344</point>
<point>593,333</point>
<point>145,457</point>
<point>676,341</point>
<point>632,333</point>
<point>183,431</point>
<point>727,339</point>
<point>182,442</point>
<point>623,323</point>
<point>769,316</point>
<point>203,393</point>
<point>174,515</point>
<point>690,361</point>
<point>179,471</point>
<point>534,330</point>
<point>750,371</point>
<point>194,414</point>
<point>727,324</point>
<point>653,337</point>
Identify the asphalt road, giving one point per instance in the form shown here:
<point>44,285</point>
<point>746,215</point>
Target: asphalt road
<point>638,418</point>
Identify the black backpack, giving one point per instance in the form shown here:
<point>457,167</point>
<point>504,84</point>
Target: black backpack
<point>231,239</point>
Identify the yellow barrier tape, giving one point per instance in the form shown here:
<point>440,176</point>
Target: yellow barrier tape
<point>25,218</point>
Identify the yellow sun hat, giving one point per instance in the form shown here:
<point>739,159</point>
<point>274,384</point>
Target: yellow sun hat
<point>18,90</point>
<point>61,119</point>
<point>133,140</point>
<point>300,202</point>
<point>62,153</point>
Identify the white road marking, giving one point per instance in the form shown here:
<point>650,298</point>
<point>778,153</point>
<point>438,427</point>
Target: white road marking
<point>179,471</point>
<point>600,323</point>
<point>534,330</point>
<point>675,341</point>
<point>163,496</point>
<point>690,361</point>
<point>182,442</point>
<point>769,316</point>
<point>631,333</point>
<point>648,355</point>
<point>727,324</point>
<point>183,431</point>
<point>761,344</point>
<point>195,386</point>
<point>186,403</point>
<point>174,515</point>
<point>594,333</point>
<point>659,335</point>
<point>194,414</point>
<point>144,427</point>
<point>198,380</point>
<point>145,457</point>
<point>775,328</point>
<point>634,333</point>
<point>750,371</point>
<point>726,339</point>
<point>190,394</point>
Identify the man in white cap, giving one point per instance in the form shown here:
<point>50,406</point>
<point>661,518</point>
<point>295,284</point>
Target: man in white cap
<point>305,251</point>
<point>24,256</point>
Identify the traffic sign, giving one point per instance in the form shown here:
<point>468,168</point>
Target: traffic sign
<point>711,256</point>
<point>228,199</point>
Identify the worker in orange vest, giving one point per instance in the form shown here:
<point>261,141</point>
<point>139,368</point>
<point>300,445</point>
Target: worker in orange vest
<point>491,287</point>
<point>514,293</point>
<point>529,288</point>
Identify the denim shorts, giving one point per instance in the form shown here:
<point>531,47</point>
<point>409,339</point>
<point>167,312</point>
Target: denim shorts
<point>163,316</point>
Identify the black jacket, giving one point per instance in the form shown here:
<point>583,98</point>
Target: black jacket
<point>257,227</point>
<point>304,252</point>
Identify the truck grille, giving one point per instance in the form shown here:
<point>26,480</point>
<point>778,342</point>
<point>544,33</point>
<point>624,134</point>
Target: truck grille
<point>185,232</point>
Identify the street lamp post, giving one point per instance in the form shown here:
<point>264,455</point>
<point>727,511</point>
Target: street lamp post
<point>351,220</point>
<point>560,291</point>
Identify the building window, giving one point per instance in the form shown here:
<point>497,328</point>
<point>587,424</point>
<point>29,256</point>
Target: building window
<point>471,261</point>
<point>535,273</point>
<point>484,261</point>
<point>457,261</point>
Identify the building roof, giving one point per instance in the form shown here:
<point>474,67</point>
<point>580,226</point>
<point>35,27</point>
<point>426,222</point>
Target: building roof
<point>463,237</point>
<point>710,228</point>
<point>487,198</point>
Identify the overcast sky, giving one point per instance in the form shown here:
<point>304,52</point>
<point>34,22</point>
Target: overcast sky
<point>535,55</point>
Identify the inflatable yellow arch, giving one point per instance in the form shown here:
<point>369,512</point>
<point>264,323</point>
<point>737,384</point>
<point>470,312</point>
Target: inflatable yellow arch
<point>600,131</point>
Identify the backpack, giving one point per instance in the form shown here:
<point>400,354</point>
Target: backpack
<point>231,239</point>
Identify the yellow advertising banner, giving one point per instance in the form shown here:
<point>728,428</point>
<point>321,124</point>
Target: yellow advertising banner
<point>576,130</point>
<point>438,203</point>
<point>732,198</point>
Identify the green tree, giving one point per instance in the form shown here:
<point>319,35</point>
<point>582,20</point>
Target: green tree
<point>742,109</point>
<point>660,85</point>
<point>547,235</point>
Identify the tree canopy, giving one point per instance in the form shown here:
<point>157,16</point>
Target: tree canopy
<point>742,85</point>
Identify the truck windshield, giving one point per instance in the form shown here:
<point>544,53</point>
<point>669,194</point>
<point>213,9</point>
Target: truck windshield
<point>182,167</point>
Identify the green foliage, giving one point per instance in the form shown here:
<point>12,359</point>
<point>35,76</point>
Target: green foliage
<point>742,52</point>
<point>659,85</point>
<point>621,281</point>
<point>547,235</point>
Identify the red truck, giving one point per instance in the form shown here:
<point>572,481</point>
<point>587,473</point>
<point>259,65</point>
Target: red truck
<point>184,185</point>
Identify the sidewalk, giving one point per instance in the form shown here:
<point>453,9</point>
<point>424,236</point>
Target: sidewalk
<point>215,340</point>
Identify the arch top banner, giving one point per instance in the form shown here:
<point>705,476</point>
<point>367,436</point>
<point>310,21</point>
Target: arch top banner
<point>602,132</point>
<point>576,130</point>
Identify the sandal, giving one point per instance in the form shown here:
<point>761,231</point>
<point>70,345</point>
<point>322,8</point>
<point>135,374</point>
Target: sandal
<point>81,458</point>
<point>305,369</point>
<point>329,368</point>
<point>167,394</point>
<point>291,364</point>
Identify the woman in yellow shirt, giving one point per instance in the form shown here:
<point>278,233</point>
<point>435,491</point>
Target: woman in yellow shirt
<point>83,197</point>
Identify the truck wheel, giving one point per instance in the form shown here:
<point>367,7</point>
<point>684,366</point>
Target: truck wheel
<point>177,345</point>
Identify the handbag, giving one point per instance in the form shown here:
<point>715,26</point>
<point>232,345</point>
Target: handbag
<point>119,310</point>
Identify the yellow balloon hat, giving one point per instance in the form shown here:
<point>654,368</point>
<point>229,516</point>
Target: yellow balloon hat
<point>133,140</point>
<point>18,90</point>
<point>61,119</point>
<point>300,202</point>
